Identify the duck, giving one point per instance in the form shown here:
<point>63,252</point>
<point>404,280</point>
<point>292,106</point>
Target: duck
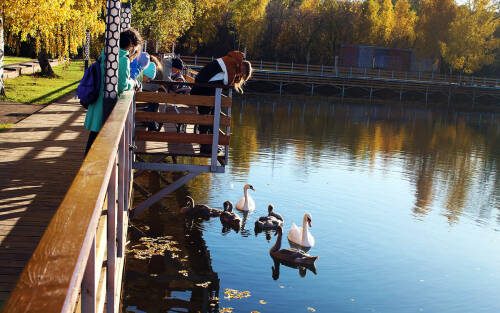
<point>246,203</point>
<point>290,255</point>
<point>229,218</point>
<point>199,210</point>
<point>269,221</point>
<point>302,237</point>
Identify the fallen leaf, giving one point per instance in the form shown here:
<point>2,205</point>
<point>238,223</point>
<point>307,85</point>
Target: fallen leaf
<point>262,302</point>
<point>311,309</point>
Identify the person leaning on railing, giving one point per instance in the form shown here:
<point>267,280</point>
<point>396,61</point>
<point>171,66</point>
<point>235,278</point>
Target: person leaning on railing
<point>228,70</point>
<point>130,43</point>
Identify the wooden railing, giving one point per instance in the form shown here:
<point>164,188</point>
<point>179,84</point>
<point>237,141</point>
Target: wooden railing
<point>356,72</point>
<point>67,272</point>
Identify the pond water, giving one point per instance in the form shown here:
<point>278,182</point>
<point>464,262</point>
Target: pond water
<point>404,204</point>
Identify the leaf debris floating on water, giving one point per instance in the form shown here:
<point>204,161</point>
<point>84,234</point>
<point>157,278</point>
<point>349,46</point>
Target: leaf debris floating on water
<point>183,273</point>
<point>204,285</point>
<point>282,286</point>
<point>311,309</point>
<point>235,294</point>
<point>154,246</point>
<point>226,310</point>
<point>262,302</point>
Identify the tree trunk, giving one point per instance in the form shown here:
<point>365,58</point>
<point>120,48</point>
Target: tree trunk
<point>2,90</point>
<point>45,68</point>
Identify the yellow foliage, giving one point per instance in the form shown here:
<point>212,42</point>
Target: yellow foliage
<point>57,26</point>
<point>471,42</point>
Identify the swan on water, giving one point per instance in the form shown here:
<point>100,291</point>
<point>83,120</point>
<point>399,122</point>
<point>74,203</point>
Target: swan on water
<point>246,203</point>
<point>230,218</point>
<point>270,221</point>
<point>199,210</point>
<point>302,237</point>
<point>293,256</point>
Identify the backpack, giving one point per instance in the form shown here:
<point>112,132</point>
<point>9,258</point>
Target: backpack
<point>90,85</point>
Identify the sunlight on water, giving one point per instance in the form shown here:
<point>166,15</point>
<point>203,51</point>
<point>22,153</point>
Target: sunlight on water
<point>404,207</point>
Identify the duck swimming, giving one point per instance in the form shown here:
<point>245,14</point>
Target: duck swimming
<point>229,218</point>
<point>291,256</point>
<point>199,210</point>
<point>246,203</point>
<point>269,221</point>
<point>302,237</point>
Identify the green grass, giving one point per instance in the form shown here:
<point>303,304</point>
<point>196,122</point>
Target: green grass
<point>36,90</point>
<point>5,126</point>
<point>11,60</point>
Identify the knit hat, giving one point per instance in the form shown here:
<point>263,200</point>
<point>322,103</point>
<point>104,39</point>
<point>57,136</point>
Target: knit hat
<point>150,71</point>
<point>177,63</point>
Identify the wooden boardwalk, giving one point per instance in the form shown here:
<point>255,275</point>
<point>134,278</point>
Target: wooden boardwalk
<point>39,158</point>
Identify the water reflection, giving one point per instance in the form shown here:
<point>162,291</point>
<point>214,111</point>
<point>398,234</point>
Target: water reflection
<point>302,269</point>
<point>447,157</point>
<point>391,189</point>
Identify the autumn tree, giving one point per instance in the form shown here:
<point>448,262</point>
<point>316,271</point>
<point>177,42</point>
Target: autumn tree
<point>57,27</point>
<point>163,20</point>
<point>471,42</point>
<point>247,16</point>
<point>405,19</point>
<point>379,22</point>
<point>433,26</point>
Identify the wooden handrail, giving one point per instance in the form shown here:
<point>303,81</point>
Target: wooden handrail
<point>51,280</point>
<point>180,118</point>
<point>192,100</point>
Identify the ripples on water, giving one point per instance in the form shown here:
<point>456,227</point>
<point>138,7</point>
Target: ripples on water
<point>404,208</point>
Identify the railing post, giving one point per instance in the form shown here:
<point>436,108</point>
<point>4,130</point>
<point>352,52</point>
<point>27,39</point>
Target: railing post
<point>89,282</point>
<point>432,77</point>
<point>321,69</point>
<point>307,67</point>
<point>215,136</point>
<point>459,78</point>
<point>378,73</point>
<point>276,66</point>
<point>111,305</point>
<point>406,75</point>
<point>350,72</point>
<point>472,83</point>
<point>496,83</point>
<point>122,181</point>
<point>365,72</point>
<point>228,128</point>
<point>291,69</point>
<point>392,74</point>
<point>419,75</point>
<point>261,64</point>
<point>195,59</point>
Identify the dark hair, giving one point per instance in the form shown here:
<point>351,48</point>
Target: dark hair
<point>177,63</point>
<point>130,38</point>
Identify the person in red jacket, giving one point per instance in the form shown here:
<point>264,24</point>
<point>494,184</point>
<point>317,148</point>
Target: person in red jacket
<point>229,70</point>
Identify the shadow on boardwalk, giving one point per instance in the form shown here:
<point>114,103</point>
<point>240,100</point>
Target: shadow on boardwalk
<point>39,158</point>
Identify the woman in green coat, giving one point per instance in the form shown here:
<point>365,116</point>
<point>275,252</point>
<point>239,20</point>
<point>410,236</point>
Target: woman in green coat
<point>130,42</point>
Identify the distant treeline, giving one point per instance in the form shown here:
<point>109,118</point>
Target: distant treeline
<point>462,37</point>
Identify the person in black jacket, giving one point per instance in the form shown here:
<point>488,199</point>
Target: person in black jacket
<point>228,70</point>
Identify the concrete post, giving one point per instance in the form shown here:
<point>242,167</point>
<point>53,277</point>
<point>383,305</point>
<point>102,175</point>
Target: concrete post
<point>126,15</point>
<point>111,52</point>
<point>86,49</point>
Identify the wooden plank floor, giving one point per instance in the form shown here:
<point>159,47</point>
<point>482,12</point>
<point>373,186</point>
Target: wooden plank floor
<point>39,158</point>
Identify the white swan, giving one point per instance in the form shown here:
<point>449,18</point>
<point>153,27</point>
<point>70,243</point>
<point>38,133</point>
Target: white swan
<point>246,203</point>
<point>302,237</point>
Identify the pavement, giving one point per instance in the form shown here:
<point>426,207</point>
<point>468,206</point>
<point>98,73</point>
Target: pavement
<point>13,112</point>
